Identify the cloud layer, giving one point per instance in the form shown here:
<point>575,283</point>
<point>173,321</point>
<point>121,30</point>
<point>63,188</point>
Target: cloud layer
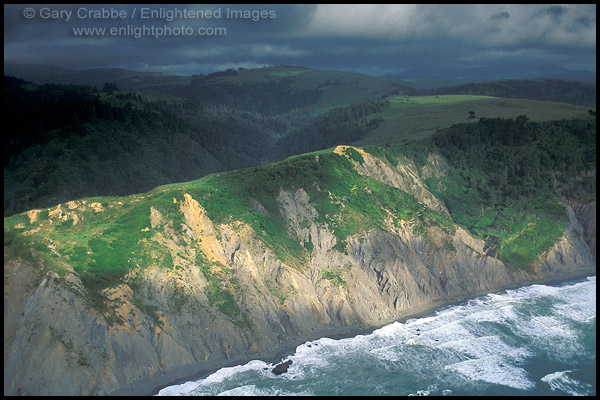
<point>365,38</point>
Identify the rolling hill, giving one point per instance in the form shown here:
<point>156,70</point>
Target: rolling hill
<point>555,90</point>
<point>411,118</point>
<point>495,72</point>
<point>110,292</point>
<point>151,234</point>
<point>71,141</point>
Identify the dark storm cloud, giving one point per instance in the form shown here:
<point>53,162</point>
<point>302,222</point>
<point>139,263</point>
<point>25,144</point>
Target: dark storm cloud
<point>556,11</point>
<point>502,15</point>
<point>49,40</point>
<point>586,21</point>
<point>365,38</point>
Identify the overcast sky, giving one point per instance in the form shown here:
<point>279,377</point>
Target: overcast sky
<point>372,39</point>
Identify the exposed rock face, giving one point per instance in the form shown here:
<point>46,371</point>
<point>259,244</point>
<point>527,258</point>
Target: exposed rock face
<point>586,216</point>
<point>407,178</point>
<point>55,344</point>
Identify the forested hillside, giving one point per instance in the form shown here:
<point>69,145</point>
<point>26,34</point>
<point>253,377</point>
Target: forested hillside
<point>501,177</point>
<point>64,142</point>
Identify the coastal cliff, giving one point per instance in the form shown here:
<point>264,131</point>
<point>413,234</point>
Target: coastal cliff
<point>205,286</point>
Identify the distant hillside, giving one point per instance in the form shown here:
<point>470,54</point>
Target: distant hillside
<point>280,89</point>
<point>411,118</point>
<point>494,72</point>
<point>558,90</point>
<point>124,79</point>
<point>270,90</point>
<point>64,142</point>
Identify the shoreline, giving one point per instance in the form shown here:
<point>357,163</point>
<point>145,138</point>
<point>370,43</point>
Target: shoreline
<point>192,372</point>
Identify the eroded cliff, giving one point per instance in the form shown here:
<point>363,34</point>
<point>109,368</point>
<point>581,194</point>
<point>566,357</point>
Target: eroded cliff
<point>216,288</point>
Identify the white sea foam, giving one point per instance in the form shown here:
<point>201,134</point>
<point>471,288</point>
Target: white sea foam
<point>493,369</point>
<point>180,390</point>
<point>314,353</point>
<point>384,349</point>
<point>545,327</point>
<point>551,333</point>
<point>202,386</point>
<point>392,330</point>
<point>483,340</point>
<point>532,291</point>
<point>228,372</point>
<point>498,311</point>
<point>424,392</point>
<point>579,312</point>
<point>486,346</point>
<point>252,390</point>
<point>451,331</point>
<point>561,380</point>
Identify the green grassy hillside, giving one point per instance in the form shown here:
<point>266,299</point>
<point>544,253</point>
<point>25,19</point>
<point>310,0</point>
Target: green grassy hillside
<point>410,118</point>
<point>557,90</point>
<point>104,239</point>
<point>495,177</point>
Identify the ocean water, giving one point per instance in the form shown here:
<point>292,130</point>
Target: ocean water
<point>535,340</point>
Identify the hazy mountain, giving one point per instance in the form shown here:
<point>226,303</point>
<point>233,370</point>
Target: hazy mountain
<point>124,79</point>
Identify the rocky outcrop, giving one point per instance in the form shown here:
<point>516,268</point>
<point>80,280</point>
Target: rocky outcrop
<point>406,176</point>
<point>161,319</point>
<point>282,368</point>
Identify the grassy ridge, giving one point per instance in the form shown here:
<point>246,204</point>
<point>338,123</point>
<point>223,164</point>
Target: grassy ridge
<point>405,120</point>
<point>498,184</point>
<point>103,245</point>
<point>347,202</point>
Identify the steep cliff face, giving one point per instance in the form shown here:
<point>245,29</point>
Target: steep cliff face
<point>226,291</point>
<point>586,216</point>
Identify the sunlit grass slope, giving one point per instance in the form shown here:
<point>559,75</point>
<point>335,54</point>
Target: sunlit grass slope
<point>410,118</point>
<point>104,239</point>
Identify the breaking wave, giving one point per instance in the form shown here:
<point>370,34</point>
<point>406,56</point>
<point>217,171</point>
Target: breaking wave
<point>535,340</point>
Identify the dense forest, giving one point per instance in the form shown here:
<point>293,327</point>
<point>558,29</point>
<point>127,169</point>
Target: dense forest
<point>67,141</point>
<point>339,126</point>
<point>268,98</point>
<point>31,115</point>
